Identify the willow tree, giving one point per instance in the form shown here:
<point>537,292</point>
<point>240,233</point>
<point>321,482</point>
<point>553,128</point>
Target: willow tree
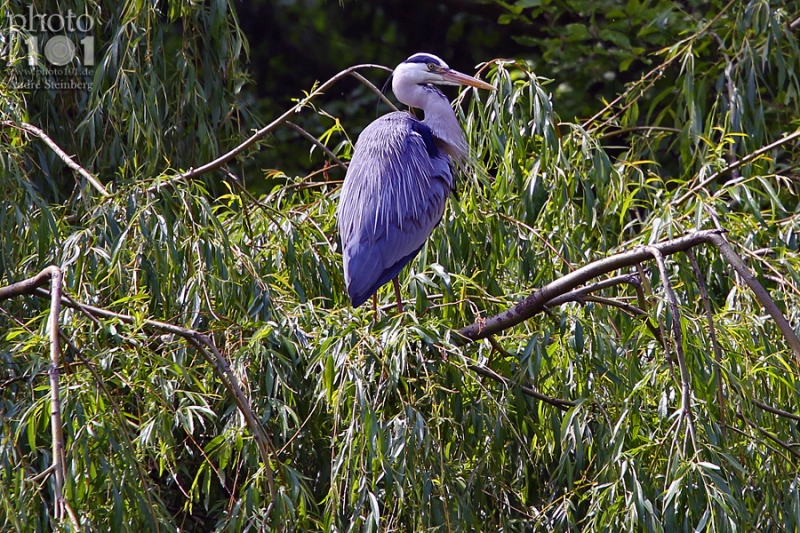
<point>601,335</point>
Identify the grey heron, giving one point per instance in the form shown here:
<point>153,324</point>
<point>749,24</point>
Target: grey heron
<point>399,178</point>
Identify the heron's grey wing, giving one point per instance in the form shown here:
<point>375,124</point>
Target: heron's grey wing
<point>393,197</point>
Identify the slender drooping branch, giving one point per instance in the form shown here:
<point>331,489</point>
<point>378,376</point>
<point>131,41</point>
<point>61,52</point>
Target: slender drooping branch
<point>491,374</point>
<point>686,388</point>
<point>30,128</point>
<point>712,332</point>
<point>537,301</point>
<point>224,158</point>
<point>143,477</point>
<point>203,343</point>
<point>206,347</point>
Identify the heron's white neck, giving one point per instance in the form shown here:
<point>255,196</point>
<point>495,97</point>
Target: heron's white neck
<point>439,116</point>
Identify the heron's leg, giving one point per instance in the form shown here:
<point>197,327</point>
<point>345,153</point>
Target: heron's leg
<point>375,304</point>
<point>397,294</point>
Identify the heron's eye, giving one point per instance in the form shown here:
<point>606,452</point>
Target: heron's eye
<point>432,66</point>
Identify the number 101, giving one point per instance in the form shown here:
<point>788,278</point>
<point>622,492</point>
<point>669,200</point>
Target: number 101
<point>60,50</point>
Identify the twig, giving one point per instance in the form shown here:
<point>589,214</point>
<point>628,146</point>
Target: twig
<point>224,158</point>
<point>761,442</point>
<point>628,308</point>
<point>686,390</point>
<point>623,131</point>
<point>496,346</point>
<point>30,128</point>
<point>555,402</point>
<point>578,294</point>
<point>583,295</point>
<point>377,91</point>
<point>317,143</point>
<point>774,438</point>
<point>736,164</point>
<point>712,332</point>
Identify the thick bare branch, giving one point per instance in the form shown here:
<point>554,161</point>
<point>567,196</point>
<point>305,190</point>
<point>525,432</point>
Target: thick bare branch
<point>26,286</point>
<point>537,301</point>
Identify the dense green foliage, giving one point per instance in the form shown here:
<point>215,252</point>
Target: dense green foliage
<point>382,423</point>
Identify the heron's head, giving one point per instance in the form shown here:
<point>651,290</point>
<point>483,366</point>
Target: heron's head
<point>423,68</point>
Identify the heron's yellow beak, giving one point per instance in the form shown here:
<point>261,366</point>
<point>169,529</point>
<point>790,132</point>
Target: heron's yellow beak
<point>455,77</point>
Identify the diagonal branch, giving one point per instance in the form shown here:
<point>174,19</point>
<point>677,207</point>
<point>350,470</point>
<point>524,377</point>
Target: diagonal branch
<point>760,292</point>
<point>317,143</point>
<point>749,158</point>
<point>30,128</point>
<point>555,402</point>
<point>224,158</point>
<point>538,300</point>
